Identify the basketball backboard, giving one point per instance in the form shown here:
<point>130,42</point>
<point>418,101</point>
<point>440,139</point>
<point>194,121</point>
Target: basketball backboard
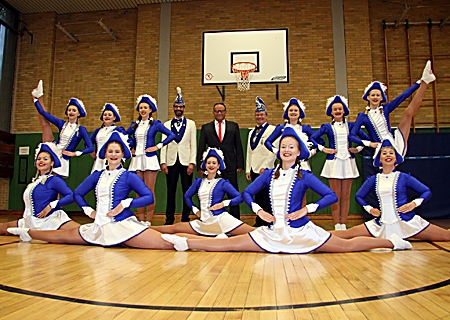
<point>267,48</point>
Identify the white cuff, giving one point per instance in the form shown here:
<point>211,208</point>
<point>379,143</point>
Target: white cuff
<point>366,143</point>
<point>312,207</point>
<point>418,201</point>
<point>255,207</point>
<point>54,203</point>
<point>126,202</point>
<point>275,150</point>
<point>368,208</point>
<point>359,148</point>
<point>320,147</point>
<point>226,203</point>
<point>195,210</point>
<point>312,152</point>
<point>160,145</point>
<point>88,211</point>
<point>78,153</point>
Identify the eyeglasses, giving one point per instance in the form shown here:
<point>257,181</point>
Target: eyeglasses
<point>220,111</point>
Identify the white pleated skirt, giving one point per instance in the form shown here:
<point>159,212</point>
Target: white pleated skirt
<point>405,229</point>
<point>112,234</point>
<point>144,163</point>
<point>340,169</point>
<point>215,225</point>
<point>290,240</point>
<point>51,222</point>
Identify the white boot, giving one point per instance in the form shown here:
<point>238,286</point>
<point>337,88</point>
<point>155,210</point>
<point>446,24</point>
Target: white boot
<point>427,75</point>
<point>337,226</point>
<point>21,232</point>
<point>399,243</point>
<point>39,90</point>
<point>179,243</point>
<point>343,226</point>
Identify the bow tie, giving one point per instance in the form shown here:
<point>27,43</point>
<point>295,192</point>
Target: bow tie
<point>178,121</point>
<point>258,127</point>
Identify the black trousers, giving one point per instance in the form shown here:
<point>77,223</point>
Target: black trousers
<point>231,175</point>
<point>261,198</point>
<point>175,171</point>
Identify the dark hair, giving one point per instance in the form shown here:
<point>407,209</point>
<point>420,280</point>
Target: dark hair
<point>140,118</point>
<point>333,121</point>
<point>218,175</point>
<point>277,171</point>
<point>121,149</point>
<point>217,103</point>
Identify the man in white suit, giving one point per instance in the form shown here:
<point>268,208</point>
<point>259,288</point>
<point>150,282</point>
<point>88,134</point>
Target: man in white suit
<point>258,156</point>
<point>178,158</point>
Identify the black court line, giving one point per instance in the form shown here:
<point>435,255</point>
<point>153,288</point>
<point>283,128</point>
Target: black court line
<point>438,246</point>
<point>227,309</point>
<point>4,244</point>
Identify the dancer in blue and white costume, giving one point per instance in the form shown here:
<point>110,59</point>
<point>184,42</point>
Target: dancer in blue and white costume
<point>376,118</point>
<point>294,113</point>
<point>214,219</point>
<point>145,160</point>
<point>70,131</point>
<point>395,213</point>
<point>42,206</point>
<point>290,230</point>
<point>340,166</point>
<point>114,222</point>
<point>109,115</point>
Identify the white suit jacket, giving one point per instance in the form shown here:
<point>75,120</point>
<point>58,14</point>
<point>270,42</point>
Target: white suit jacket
<point>260,157</point>
<point>186,149</point>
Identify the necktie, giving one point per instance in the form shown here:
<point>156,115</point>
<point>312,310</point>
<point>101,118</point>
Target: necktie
<point>220,131</point>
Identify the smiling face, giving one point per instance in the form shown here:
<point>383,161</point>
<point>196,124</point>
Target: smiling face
<point>337,111</point>
<point>374,98</point>
<point>114,154</point>
<point>178,109</point>
<point>108,117</point>
<point>261,118</point>
<point>289,150</point>
<point>387,156</point>
<point>212,165</point>
<point>72,113</point>
<point>44,162</point>
<point>293,113</point>
<point>220,112</point>
<point>144,110</point>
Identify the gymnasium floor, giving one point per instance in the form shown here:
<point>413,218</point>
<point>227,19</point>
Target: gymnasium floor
<point>46,281</point>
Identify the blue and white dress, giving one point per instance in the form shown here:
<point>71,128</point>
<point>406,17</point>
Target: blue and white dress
<point>286,195</point>
<point>99,137</point>
<point>111,189</point>
<point>377,123</point>
<point>144,137</point>
<point>38,195</point>
<point>211,192</point>
<point>70,135</point>
<point>391,191</point>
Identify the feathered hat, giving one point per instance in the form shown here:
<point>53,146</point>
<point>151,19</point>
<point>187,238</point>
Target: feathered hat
<point>119,137</point>
<point>111,107</point>
<point>147,99</point>
<point>80,106</point>
<point>179,98</point>
<point>337,99</point>
<point>260,105</point>
<point>44,147</point>
<point>386,143</point>
<point>290,132</point>
<point>378,86</point>
<point>213,152</point>
<point>296,102</point>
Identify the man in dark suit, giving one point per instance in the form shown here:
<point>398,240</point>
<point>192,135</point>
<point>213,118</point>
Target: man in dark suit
<point>223,135</point>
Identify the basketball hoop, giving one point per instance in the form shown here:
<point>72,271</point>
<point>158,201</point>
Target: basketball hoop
<point>243,72</point>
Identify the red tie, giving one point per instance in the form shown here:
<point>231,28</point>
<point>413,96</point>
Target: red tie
<point>220,131</point>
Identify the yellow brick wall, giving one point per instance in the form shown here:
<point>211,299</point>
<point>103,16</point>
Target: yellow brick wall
<point>4,193</point>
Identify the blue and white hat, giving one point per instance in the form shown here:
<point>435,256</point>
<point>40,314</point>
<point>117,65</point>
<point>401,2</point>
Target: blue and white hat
<point>44,147</point>
<point>337,99</point>
<point>296,102</point>
<point>376,157</point>
<point>179,98</point>
<point>112,107</point>
<point>378,86</point>
<point>213,152</point>
<point>290,132</point>
<point>80,106</point>
<point>260,105</point>
<point>147,99</point>
<point>117,137</point>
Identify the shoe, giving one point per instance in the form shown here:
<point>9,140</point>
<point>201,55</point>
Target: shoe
<point>21,232</point>
<point>221,236</point>
<point>179,243</point>
<point>337,226</point>
<point>427,75</point>
<point>399,243</point>
<point>343,226</point>
<point>39,90</point>
<point>147,223</point>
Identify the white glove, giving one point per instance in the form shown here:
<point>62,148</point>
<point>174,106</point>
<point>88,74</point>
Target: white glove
<point>427,75</point>
<point>39,90</point>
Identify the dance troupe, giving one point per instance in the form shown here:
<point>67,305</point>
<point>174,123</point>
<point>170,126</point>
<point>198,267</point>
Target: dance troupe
<point>288,231</point>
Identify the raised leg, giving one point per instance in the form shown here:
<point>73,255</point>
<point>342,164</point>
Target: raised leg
<point>47,134</point>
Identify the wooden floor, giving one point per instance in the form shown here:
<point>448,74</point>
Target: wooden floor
<point>46,281</point>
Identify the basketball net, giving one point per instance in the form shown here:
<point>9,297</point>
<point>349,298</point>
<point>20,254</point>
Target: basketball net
<point>243,71</point>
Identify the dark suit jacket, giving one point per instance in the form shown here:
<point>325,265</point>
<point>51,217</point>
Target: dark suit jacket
<point>231,145</point>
